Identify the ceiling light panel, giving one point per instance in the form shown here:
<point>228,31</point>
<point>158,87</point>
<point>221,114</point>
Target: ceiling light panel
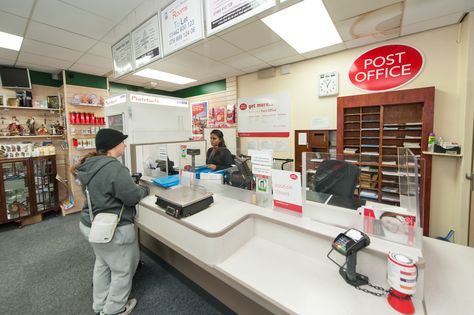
<point>163,76</point>
<point>10,41</point>
<point>305,26</point>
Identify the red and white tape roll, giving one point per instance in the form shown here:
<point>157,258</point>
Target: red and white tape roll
<point>401,273</point>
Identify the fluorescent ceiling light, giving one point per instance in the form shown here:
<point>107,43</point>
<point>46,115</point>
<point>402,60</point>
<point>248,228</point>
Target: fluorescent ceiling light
<point>163,76</point>
<point>10,41</point>
<point>305,26</point>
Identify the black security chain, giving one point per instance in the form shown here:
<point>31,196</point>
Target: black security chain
<point>382,291</point>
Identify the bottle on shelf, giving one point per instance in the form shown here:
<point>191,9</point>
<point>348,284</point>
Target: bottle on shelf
<point>431,141</point>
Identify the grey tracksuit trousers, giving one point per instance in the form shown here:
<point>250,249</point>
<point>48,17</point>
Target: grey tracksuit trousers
<point>115,265</point>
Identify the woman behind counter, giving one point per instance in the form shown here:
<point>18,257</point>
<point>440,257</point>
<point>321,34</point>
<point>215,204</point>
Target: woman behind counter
<point>218,157</point>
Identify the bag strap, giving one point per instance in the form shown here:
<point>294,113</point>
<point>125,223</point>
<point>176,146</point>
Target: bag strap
<point>89,204</point>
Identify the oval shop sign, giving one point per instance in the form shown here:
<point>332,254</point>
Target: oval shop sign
<point>386,67</point>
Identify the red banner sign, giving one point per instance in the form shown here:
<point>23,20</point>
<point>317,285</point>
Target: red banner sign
<point>386,67</point>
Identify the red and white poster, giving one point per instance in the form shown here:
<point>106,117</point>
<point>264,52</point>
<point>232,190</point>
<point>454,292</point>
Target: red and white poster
<point>287,191</point>
<point>199,119</point>
<point>264,116</point>
<point>386,68</point>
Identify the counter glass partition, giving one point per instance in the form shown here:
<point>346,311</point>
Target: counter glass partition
<point>383,191</point>
<point>166,158</point>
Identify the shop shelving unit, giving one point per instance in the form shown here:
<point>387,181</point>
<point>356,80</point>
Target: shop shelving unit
<point>375,126</point>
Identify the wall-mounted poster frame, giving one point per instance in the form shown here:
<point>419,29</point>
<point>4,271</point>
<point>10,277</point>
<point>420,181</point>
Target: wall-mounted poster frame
<point>146,42</point>
<point>122,56</point>
<point>182,24</point>
<point>221,14</point>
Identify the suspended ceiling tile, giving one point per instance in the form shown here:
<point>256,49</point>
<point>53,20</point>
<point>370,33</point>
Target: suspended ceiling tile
<point>21,8</point>
<point>286,60</point>
<point>132,22</point>
<point>12,24</point>
<point>110,37</point>
<point>52,35</point>
<point>49,50</point>
<point>121,30</point>
<point>93,60</point>
<point>417,11</point>
<point>243,60</point>
<point>324,51</point>
<point>368,40</point>
<point>431,24</point>
<point>41,68</point>
<point>6,62</point>
<point>255,68</point>
<point>380,21</point>
<point>217,49</point>
<point>71,18</point>
<point>100,71</point>
<point>343,9</point>
<point>8,54</point>
<point>43,60</point>
<point>101,49</point>
<point>232,73</point>
<point>144,11</point>
<point>251,36</point>
<point>114,10</point>
<point>274,51</point>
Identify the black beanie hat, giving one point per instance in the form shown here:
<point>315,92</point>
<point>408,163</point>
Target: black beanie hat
<point>107,139</point>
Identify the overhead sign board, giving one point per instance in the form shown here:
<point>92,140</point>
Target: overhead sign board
<point>221,14</point>
<point>386,67</point>
<point>182,24</point>
<point>146,42</point>
<point>122,56</point>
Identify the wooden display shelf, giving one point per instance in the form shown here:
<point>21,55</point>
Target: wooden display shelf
<point>442,154</point>
<point>38,136</point>
<point>87,105</point>
<point>30,108</point>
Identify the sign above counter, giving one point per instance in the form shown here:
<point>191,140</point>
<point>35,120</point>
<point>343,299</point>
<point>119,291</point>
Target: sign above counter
<point>122,56</point>
<point>182,24</point>
<point>146,42</point>
<point>386,68</point>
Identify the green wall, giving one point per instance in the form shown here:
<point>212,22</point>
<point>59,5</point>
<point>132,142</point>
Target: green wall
<point>44,78</point>
<point>93,81</point>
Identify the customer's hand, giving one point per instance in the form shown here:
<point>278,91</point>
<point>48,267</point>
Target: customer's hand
<point>212,166</point>
<point>146,188</point>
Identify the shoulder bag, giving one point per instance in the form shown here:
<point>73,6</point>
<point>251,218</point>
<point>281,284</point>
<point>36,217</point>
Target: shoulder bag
<point>103,225</point>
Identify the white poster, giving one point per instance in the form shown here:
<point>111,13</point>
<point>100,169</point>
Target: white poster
<point>146,42</point>
<point>287,191</point>
<point>264,116</point>
<point>181,24</point>
<point>221,14</point>
<point>122,56</point>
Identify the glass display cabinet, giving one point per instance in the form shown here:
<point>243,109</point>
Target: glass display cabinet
<point>16,200</point>
<point>45,184</point>
<point>29,187</point>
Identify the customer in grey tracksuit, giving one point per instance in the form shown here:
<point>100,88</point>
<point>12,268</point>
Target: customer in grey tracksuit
<point>111,186</point>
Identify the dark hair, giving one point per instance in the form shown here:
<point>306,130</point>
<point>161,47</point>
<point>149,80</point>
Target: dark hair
<point>219,135</point>
<point>84,158</point>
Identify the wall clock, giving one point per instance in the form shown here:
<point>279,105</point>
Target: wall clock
<point>329,83</point>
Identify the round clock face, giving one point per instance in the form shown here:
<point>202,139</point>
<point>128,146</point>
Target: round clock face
<point>328,84</point>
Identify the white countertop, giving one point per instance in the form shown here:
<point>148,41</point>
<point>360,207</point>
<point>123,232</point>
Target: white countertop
<point>278,255</point>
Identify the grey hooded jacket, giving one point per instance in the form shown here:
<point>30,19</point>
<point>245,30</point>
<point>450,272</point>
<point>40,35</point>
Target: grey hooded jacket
<point>110,186</point>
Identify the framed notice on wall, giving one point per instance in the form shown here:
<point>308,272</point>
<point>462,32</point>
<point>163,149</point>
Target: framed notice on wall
<point>146,42</point>
<point>221,14</point>
<point>122,56</point>
<point>264,116</point>
<point>181,24</point>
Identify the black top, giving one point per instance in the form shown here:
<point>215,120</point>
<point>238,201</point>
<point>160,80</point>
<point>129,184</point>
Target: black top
<point>222,158</point>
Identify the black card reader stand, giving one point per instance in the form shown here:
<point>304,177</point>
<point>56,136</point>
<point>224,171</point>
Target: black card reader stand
<point>349,272</point>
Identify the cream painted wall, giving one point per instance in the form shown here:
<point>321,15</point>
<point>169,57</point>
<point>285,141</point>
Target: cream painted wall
<point>443,50</point>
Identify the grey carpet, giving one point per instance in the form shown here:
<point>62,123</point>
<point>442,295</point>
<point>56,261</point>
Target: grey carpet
<point>46,268</point>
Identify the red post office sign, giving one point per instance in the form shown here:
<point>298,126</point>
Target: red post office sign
<point>386,67</point>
